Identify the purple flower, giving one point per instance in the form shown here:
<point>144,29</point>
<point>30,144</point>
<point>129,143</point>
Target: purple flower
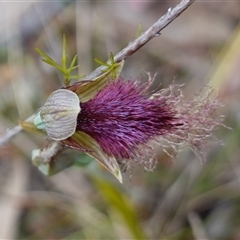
<point>123,121</point>
<point>127,120</point>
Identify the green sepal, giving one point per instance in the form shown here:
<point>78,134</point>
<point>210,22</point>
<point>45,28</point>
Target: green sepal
<point>82,141</point>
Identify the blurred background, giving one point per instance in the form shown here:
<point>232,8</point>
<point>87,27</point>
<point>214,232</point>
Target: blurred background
<point>180,199</point>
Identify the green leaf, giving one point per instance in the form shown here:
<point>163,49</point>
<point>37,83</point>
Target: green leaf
<point>73,62</point>
<point>68,71</point>
<point>63,69</point>
<point>64,55</point>
<point>120,206</point>
<point>54,65</point>
<point>110,64</point>
<point>101,62</point>
<point>44,55</point>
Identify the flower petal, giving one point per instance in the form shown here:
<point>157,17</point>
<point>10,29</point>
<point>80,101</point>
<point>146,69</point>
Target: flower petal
<point>59,114</point>
<point>87,91</point>
<point>81,140</point>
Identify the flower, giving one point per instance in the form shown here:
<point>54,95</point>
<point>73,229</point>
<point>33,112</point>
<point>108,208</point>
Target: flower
<point>123,121</point>
<point>123,118</point>
<point>118,121</point>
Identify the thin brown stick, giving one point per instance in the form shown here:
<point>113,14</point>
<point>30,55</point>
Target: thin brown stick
<point>10,133</point>
<point>134,46</point>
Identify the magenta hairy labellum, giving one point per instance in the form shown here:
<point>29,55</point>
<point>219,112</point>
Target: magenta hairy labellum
<point>121,118</point>
<point>127,120</point>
